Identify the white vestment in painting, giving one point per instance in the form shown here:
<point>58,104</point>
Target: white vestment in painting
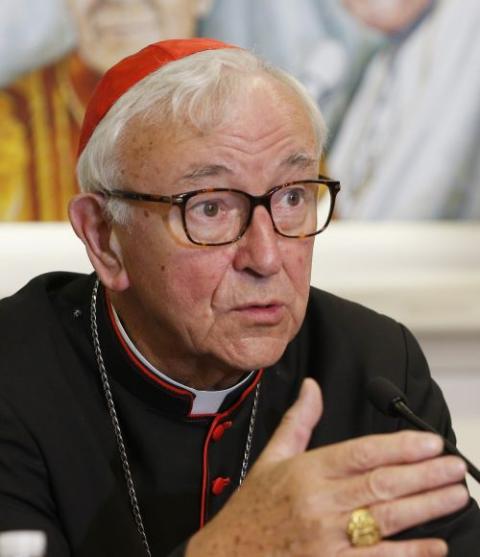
<point>409,145</point>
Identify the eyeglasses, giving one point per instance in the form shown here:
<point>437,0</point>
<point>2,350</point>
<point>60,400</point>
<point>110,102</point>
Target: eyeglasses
<point>220,216</point>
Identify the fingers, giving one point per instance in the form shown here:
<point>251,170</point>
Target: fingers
<point>393,482</point>
<point>400,515</point>
<point>412,548</point>
<point>366,453</point>
<point>293,434</point>
<point>400,497</point>
<point>395,517</point>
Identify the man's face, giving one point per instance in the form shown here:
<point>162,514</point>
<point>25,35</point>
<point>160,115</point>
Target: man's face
<point>109,30</point>
<point>235,306</point>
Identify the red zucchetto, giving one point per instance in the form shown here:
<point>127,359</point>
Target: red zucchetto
<point>129,71</point>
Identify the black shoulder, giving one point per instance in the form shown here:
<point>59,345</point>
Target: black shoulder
<point>28,317</point>
<point>343,345</point>
<point>341,315</point>
<point>37,291</point>
<point>353,337</point>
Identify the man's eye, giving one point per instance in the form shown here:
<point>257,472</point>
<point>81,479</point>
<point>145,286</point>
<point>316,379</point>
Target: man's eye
<point>207,208</point>
<point>293,197</point>
<point>210,209</point>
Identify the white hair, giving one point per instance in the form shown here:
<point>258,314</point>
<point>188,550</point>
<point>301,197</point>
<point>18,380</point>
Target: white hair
<point>195,91</point>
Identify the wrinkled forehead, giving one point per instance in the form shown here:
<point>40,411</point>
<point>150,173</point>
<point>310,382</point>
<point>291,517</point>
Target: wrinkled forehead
<point>256,132</point>
<point>258,99</point>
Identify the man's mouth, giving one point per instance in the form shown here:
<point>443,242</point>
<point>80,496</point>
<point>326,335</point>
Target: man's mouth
<point>261,313</point>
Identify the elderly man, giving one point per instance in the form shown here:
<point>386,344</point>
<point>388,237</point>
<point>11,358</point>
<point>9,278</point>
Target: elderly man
<point>135,401</point>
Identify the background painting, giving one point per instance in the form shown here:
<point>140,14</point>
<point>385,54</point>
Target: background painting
<point>397,80</point>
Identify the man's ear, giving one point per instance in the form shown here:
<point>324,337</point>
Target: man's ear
<point>87,215</point>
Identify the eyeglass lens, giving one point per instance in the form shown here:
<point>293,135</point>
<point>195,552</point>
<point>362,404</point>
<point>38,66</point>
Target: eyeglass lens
<point>221,216</point>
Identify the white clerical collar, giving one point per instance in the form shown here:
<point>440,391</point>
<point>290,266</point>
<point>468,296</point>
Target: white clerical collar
<point>204,402</point>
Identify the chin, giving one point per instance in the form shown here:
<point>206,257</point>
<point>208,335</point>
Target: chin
<point>256,354</point>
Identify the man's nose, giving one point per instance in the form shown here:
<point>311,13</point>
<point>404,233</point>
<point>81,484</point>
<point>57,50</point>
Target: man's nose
<point>258,249</point>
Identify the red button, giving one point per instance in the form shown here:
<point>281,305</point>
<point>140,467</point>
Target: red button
<point>219,484</point>
<point>220,430</point>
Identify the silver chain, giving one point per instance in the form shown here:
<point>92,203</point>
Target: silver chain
<point>248,443</point>
<point>132,494</point>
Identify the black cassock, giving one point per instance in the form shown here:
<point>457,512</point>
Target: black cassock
<point>60,469</point>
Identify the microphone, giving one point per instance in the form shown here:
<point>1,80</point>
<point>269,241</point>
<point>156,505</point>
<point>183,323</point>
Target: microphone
<point>389,399</point>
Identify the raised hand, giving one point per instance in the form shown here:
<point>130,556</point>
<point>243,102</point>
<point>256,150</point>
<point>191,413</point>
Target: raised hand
<point>298,503</point>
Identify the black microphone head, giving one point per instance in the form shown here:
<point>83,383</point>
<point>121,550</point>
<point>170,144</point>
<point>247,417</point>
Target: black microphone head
<point>383,394</point>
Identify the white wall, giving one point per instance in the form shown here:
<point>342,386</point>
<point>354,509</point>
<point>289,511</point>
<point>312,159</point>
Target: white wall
<point>425,275</point>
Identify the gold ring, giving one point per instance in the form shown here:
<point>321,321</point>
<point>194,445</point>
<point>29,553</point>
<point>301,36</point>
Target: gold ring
<point>362,529</point>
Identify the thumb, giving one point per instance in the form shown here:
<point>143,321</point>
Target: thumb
<point>293,434</point>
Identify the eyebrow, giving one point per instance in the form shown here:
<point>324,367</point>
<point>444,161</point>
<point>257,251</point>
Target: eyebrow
<point>300,159</point>
<point>206,170</point>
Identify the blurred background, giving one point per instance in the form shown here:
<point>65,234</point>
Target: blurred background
<point>399,84</point>
<point>397,80</point>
